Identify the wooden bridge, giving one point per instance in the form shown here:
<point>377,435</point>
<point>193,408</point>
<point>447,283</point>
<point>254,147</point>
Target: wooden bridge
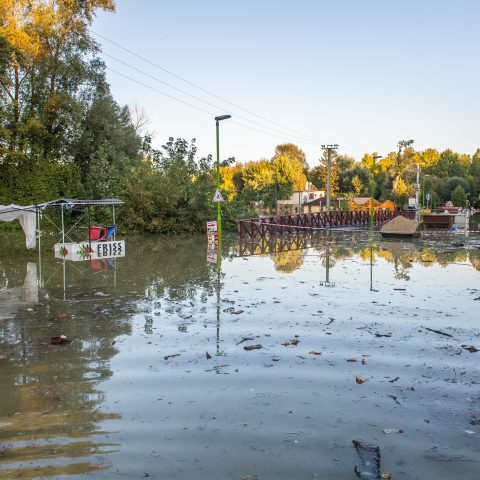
<point>280,224</point>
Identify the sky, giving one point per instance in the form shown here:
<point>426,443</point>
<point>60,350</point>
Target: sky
<point>363,74</point>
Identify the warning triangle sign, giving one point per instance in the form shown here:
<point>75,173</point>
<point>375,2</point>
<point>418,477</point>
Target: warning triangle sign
<point>218,197</point>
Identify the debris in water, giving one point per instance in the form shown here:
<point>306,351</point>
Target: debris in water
<point>168,357</point>
<point>388,335</point>
<point>360,380</point>
<point>313,352</point>
<point>369,460</point>
<point>470,348</point>
<point>438,331</point>
<point>474,419</point>
<point>394,380</point>
<point>237,312</point>
<point>253,347</point>
<point>245,339</point>
<point>208,355</point>
<point>294,342</point>
<point>394,398</point>
<point>61,340</point>
<point>386,475</point>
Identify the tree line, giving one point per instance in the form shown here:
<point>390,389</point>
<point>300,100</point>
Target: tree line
<point>62,134</point>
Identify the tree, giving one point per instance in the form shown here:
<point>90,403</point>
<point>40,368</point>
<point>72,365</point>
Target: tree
<point>294,153</point>
<point>459,197</point>
<point>357,185</point>
<point>321,173</point>
<point>451,164</point>
<point>48,75</point>
<point>452,183</point>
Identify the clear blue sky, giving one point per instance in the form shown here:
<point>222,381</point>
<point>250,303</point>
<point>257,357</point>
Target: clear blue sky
<point>360,73</point>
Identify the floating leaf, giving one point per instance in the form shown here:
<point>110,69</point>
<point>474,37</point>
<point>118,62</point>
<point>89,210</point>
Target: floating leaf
<point>253,347</point>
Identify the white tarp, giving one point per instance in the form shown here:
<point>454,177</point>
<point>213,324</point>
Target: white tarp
<point>27,218</point>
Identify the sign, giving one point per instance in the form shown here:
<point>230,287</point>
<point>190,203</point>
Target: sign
<point>212,241</point>
<point>77,252</point>
<point>212,253</point>
<point>217,197</point>
<point>212,232</point>
<point>428,197</point>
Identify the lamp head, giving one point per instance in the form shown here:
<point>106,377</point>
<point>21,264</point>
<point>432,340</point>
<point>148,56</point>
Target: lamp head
<point>222,117</point>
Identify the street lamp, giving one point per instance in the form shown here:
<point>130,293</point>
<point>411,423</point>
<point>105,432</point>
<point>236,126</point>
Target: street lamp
<point>374,159</point>
<point>423,191</point>
<point>219,212</point>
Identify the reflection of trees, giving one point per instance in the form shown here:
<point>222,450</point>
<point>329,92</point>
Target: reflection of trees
<point>52,395</point>
<point>51,400</point>
<point>288,261</point>
<point>474,258</point>
<point>337,245</point>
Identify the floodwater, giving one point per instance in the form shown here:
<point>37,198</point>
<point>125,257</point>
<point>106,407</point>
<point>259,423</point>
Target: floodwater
<point>362,339</point>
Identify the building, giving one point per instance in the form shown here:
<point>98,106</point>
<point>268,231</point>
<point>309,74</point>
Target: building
<point>364,203</point>
<point>345,203</point>
<point>320,205</point>
<point>298,199</point>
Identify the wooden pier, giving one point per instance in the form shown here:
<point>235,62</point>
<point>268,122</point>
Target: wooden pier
<point>280,224</point>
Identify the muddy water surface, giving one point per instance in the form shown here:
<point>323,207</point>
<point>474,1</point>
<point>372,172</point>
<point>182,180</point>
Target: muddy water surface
<point>357,339</point>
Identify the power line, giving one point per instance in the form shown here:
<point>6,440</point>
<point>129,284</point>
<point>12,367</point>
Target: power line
<point>314,139</point>
<point>201,100</point>
<point>190,104</point>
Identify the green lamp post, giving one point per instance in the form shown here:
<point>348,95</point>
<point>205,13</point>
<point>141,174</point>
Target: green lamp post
<point>219,209</point>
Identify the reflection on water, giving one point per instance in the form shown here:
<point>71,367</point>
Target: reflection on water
<point>288,252</point>
<point>147,332</point>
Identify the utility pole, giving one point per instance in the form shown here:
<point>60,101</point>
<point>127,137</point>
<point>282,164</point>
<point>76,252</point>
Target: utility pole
<point>329,149</point>
<point>372,182</point>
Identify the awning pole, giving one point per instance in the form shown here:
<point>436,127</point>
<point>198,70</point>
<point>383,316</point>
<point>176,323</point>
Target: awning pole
<point>63,229</point>
<point>39,247</point>
<point>89,238</point>
<point>113,215</point>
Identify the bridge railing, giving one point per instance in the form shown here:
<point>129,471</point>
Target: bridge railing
<point>280,224</point>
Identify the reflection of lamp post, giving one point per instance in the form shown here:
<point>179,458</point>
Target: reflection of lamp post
<point>374,159</point>
<point>219,211</point>
<point>327,282</point>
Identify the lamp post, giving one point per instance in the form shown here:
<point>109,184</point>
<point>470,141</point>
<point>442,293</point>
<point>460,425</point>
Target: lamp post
<point>219,211</point>
<point>372,181</point>
<point>423,191</point>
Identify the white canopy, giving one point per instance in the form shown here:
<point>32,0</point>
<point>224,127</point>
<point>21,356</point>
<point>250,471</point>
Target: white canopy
<point>27,218</point>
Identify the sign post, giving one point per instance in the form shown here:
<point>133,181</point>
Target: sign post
<point>212,241</point>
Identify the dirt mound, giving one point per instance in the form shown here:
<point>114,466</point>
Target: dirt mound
<point>401,226</point>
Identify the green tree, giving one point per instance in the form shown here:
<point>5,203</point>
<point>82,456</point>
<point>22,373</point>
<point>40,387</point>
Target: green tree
<point>294,153</point>
<point>459,197</point>
<point>451,184</point>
